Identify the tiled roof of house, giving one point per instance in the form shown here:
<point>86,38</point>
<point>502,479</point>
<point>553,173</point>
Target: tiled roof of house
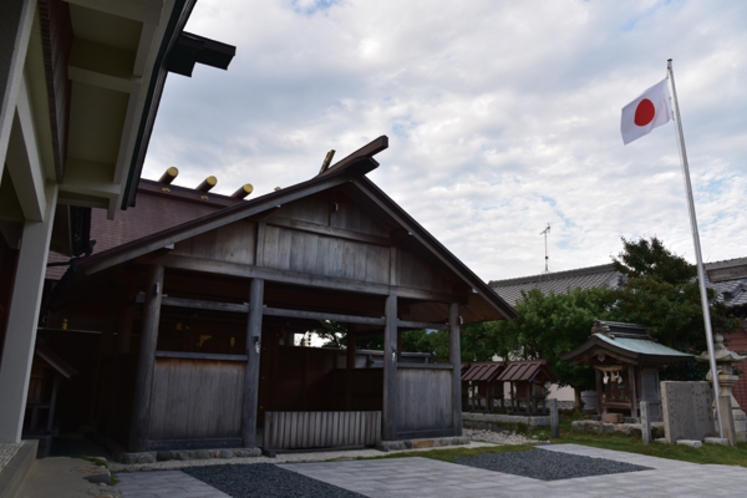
<point>728,278</point>
<point>602,276</point>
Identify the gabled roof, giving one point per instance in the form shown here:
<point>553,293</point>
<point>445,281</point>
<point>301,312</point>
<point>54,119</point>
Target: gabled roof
<point>483,371</point>
<point>350,170</point>
<point>626,348</point>
<point>527,371</point>
<point>602,276</point>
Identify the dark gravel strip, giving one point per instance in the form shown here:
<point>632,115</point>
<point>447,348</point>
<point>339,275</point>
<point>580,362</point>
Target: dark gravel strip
<point>547,465</point>
<point>265,480</point>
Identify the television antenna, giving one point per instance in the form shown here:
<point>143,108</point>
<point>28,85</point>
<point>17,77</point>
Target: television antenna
<point>547,258</point>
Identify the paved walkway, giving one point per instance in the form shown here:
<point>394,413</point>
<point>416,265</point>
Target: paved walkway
<point>424,478</point>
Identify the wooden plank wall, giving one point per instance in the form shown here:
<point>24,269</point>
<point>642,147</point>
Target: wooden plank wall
<point>424,397</point>
<point>233,243</point>
<point>317,254</point>
<point>196,399</point>
<point>297,430</point>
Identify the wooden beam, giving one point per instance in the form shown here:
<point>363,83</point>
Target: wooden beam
<point>305,279</point>
<point>406,324</point>
<point>368,150</point>
<point>251,373</point>
<point>455,358</point>
<point>339,233</point>
<point>140,424</point>
<point>199,304</point>
<point>389,401</point>
<point>313,315</point>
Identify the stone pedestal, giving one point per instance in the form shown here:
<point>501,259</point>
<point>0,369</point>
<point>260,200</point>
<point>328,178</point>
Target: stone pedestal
<point>726,380</point>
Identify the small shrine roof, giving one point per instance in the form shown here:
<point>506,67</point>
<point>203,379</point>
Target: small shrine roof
<point>642,346</point>
<point>484,371</point>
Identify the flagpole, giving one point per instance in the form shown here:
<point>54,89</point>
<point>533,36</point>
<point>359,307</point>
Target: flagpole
<point>698,257</point>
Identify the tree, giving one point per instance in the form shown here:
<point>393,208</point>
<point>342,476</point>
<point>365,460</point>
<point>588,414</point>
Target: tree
<point>551,325</point>
<point>661,291</point>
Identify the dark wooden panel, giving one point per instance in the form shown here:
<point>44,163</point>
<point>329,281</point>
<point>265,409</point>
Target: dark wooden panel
<point>234,243</point>
<point>424,397</point>
<point>195,399</point>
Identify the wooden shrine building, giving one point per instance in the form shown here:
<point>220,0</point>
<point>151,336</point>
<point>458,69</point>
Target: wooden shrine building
<point>198,321</point>
<point>626,363</point>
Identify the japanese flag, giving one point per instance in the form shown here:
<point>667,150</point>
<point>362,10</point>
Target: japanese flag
<point>650,110</point>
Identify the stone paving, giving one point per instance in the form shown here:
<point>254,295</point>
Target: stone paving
<point>423,477</point>
<point>165,484</point>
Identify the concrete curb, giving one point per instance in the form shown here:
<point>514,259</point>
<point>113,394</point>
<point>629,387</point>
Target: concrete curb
<point>13,474</point>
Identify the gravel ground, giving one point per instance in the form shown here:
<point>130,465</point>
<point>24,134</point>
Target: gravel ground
<point>504,437</point>
<point>265,480</point>
<point>547,465</point>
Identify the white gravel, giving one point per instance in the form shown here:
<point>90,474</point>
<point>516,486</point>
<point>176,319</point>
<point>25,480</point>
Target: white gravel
<point>504,437</point>
<point>316,456</point>
<point>7,452</point>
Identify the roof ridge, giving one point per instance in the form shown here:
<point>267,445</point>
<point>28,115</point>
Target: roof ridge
<point>544,277</point>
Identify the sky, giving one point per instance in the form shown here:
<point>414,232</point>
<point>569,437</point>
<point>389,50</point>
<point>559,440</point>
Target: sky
<point>502,117</point>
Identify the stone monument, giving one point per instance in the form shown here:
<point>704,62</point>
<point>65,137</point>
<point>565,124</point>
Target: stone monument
<point>687,410</point>
<point>726,380</point>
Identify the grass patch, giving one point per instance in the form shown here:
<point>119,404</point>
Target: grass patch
<point>101,462</point>
<point>708,453</point>
<point>451,454</point>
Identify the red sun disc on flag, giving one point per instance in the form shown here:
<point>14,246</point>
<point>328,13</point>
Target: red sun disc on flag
<point>644,113</point>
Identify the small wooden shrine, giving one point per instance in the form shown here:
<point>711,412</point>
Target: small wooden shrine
<point>527,380</point>
<point>479,381</point>
<point>626,363</point>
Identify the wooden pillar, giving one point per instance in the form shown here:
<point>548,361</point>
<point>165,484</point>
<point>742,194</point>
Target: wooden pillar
<point>633,394</point>
<point>349,367</point>
<point>598,375</point>
<point>146,361</point>
<point>389,401</point>
<point>251,373</point>
<point>455,358</point>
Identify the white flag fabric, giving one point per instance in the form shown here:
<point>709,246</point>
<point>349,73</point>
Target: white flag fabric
<point>650,110</point>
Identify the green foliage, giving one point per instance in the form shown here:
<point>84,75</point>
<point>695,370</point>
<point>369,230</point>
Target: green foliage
<point>552,325</point>
<point>661,291</point>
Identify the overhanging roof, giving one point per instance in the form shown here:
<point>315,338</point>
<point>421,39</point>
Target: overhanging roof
<point>350,170</point>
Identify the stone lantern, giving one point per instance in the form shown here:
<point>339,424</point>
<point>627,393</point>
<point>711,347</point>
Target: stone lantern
<point>726,380</point>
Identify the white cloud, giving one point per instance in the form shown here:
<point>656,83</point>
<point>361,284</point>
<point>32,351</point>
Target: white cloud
<point>502,117</point>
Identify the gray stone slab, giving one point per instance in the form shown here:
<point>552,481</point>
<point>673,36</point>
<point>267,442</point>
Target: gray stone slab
<point>687,410</point>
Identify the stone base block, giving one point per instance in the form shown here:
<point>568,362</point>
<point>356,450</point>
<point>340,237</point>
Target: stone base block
<point>716,440</point>
<point>690,442</point>
<point>153,456</point>
<point>423,443</point>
